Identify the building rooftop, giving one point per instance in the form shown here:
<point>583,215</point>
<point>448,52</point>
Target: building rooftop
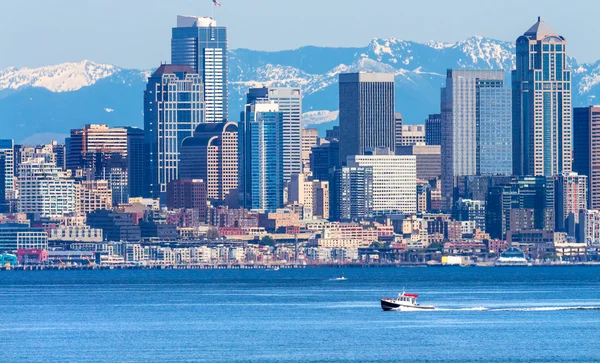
<point>190,21</point>
<point>540,30</point>
<point>172,68</point>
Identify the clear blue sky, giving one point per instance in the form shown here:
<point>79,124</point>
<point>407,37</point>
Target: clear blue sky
<point>136,33</point>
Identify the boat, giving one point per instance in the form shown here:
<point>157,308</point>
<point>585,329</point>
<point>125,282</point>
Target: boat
<point>512,257</point>
<point>341,278</point>
<point>404,302</point>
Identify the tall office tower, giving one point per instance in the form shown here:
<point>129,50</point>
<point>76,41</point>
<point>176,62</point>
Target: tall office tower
<point>429,160</point>
<point>394,180</point>
<point>324,160</point>
<point>433,129</point>
<point>398,131</point>
<point>289,101</point>
<point>173,108</point>
<point>523,204</point>
<point>212,155</point>
<point>541,85</point>
<point>92,138</point>
<point>199,43</point>
<point>571,198</point>
<point>45,189</point>
<point>92,195</point>
<point>136,166</point>
<point>261,156</point>
<point>7,149</point>
<point>471,102</point>
<point>351,194</point>
<point>333,134</point>
<point>3,205</point>
<point>310,139</point>
<point>586,150</point>
<point>412,135</point>
<point>367,117</point>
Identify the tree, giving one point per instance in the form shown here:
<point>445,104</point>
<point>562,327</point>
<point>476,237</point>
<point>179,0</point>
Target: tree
<point>212,233</point>
<point>267,241</point>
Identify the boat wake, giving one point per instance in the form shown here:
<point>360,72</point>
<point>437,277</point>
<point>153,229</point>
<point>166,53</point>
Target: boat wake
<point>525,309</point>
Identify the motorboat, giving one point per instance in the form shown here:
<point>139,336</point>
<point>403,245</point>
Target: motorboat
<point>404,302</point>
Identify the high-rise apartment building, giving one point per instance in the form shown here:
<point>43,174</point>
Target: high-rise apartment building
<point>367,117</point>
<point>7,149</point>
<point>212,155</point>
<point>394,180</point>
<point>201,44</point>
<point>261,180</point>
<point>45,189</point>
<point>433,129</point>
<point>173,108</point>
<point>289,101</point>
<point>351,194</point>
<point>571,198</point>
<point>92,195</point>
<point>541,86</point>
<point>586,150</point>
<point>476,126</point>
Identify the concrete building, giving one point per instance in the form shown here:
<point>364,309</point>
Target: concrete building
<point>433,129</point>
<point>588,230</point>
<point>200,43</point>
<point>32,240</point>
<point>212,155</point>
<point>351,194</point>
<point>324,159</point>
<point>347,235</point>
<point>367,116</point>
<point>136,164</point>
<point>412,135</point>
<point>289,102</point>
<point>167,122</point>
<point>93,138</point>
<point>399,122</point>
<point>310,139</point>
<point>9,235</point>
<point>261,180</point>
<point>45,189</point>
<point>7,150</point>
<point>190,194</point>
<point>571,198</point>
<point>541,86</point>
<point>429,160</point>
<point>586,150</point>
<point>394,181</point>
<point>116,227</point>
<point>76,233</point>
<point>313,195</point>
<point>92,195</point>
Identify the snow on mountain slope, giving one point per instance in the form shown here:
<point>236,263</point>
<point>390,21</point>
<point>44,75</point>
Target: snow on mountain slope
<point>58,78</point>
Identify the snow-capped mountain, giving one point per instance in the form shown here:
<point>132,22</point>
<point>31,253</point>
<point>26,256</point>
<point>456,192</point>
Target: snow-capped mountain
<point>56,98</point>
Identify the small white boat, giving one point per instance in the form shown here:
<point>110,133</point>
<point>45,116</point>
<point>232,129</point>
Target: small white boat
<point>341,278</point>
<point>404,302</point>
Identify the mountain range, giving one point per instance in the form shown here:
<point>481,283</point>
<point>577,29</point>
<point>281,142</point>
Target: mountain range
<point>38,104</point>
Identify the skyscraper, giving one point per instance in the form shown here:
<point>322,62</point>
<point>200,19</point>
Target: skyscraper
<point>310,139</point>
<point>586,150</point>
<point>475,127</point>
<point>92,138</point>
<point>261,156</point>
<point>212,155</point>
<point>136,167</point>
<point>351,194</point>
<point>3,206</point>
<point>367,117</point>
<point>200,43</point>
<point>7,149</point>
<point>541,85</point>
<point>433,129</point>
<point>571,198</point>
<point>289,101</point>
<point>173,108</point>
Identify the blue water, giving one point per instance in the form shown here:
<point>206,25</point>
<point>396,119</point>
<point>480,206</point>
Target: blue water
<point>300,315</point>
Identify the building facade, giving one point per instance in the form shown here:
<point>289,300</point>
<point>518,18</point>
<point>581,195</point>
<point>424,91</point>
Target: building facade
<point>571,198</point>
<point>173,108</point>
<point>367,116</point>
<point>93,195</point>
<point>433,129</point>
<point>201,44</point>
<point>351,194</point>
<point>429,160</point>
<point>541,85</point>
<point>586,150</point>
<point>7,149</point>
<point>412,135</point>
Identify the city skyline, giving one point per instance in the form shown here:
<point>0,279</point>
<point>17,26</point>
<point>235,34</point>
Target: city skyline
<point>404,21</point>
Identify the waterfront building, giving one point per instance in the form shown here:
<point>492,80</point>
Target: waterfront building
<point>347,235</point>
<point>32,240</point>
<point>200,43</point>
<point>367,116</point>
<point>476,126</point>
<point>75,233</point>
<point>526,203</point>
<point>168,121</point>
<point>433,129</point>
<point>394,180</point>
<point>10,232</point>
<point>586,150</point>
<point>289,102</point>
<point>571,198</point>
<point>351,194</point>
<point>212,155</point>
<point>412,135</point>
<point>541,86</point>
<point>429,159</point>
<point>261,180</point>
<point>310,139</point>
<point>7,150</point>
<point>92,195</point>
<point>45,189</point>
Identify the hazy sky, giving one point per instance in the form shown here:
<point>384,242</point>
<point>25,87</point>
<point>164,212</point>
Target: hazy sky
<point>136,33</point>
